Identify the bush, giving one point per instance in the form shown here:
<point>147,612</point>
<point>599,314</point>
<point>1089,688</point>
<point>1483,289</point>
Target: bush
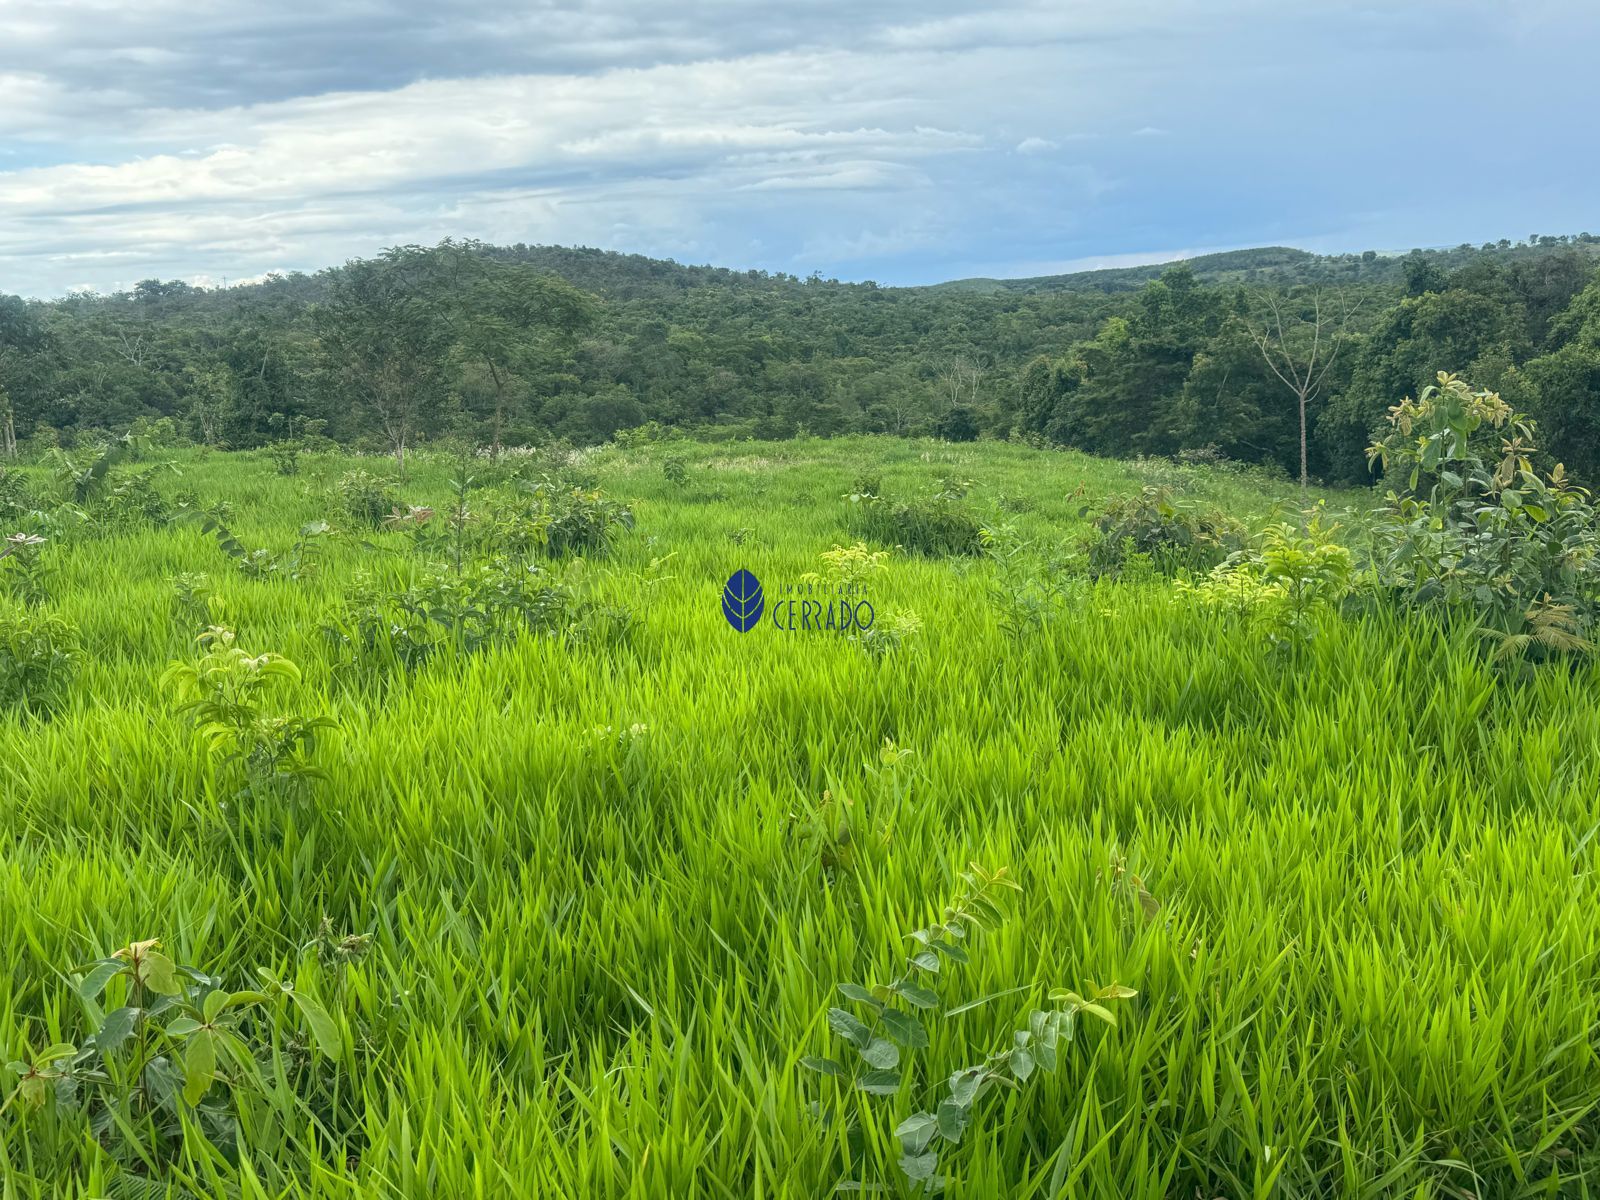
<point>38,658</point>
<point>1296,577</point>
<point>443,612</point>
<point>1153,525</point>
<point>938,527</point>
<point>676,469</point>
<point>365,498</point>
<point>959,424</point>
<point>1475,529</point>
<point>285,457</point>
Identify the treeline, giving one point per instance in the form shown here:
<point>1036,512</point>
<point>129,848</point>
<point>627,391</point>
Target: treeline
<point>521,344</point>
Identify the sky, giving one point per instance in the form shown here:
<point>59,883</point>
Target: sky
<point>906,141</point>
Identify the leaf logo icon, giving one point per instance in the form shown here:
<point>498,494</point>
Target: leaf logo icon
<point>742,600</point>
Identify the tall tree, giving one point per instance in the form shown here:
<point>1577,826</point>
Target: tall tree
<point>1300,345</point>
<point>386,340</point>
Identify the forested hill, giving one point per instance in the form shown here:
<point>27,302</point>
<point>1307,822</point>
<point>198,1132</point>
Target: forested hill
<point>526,343</point>
<point>1284,266</point>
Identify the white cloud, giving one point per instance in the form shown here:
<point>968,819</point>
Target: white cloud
<point>899,139</point>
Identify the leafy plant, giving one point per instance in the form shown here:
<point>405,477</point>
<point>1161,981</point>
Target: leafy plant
<point>1174,535</point>
<point>1287,585</point>
<point>1474,528</point>
<point>1038,1046</point>
<point>889,633</point>
<point>225,692</point>
<point>676,470</point>
<point>83,479</point>
<point>196,604</point>
<point>39,656</point>
<point>849,566</point>
<point>1025,592</point>
<point>941,526</point>
<point>300,562</point>
<point>24,572</point>
<point>160,1053</point>
<point>365,498</point>
<point>285,457</point>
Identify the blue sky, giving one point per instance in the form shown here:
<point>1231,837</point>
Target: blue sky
<point>895,140</point>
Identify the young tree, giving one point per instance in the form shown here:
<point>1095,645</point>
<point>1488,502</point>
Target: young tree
<point>1300,344</point>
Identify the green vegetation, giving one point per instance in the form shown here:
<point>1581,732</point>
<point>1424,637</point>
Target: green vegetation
<point>1249,850</point>
<point>1272,356</point>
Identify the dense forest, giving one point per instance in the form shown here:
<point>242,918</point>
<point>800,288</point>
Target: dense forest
<point>1215,357</point>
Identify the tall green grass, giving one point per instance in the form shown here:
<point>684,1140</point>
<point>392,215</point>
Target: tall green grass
<point>599,952</point>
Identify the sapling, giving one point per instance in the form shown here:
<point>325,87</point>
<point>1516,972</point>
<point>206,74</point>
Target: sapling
<point>891,1028</point>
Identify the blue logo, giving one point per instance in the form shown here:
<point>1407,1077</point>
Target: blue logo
<point>742,600</point>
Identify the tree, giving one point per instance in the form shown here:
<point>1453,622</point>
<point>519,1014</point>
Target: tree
<point>958,424</point>
<point>1303,351</point>
<point>511,320</point>
<point>386,340</point>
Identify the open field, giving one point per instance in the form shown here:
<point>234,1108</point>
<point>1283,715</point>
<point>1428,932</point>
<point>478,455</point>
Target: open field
<point>609,902</point>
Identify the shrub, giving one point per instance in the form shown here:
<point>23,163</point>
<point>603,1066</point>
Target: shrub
<point>959,424</point>
<point>225,693</point>
<point>22,568</point>
<point>159,1051</point>
<point>1294,578</point>
<point>365,498</point>
<point>486,605</point>
<point>1171,534</point>
<point>567,521</point>
<point>39,656</point>
<point>676,470</point>
<point>16,495</point>
<point>941,526</point>
<point>285,457</point>
<point>1473,528</point>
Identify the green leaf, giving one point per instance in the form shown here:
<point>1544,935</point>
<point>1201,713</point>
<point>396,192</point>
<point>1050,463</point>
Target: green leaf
<point>953,1119</point>
<point>182,1027</point>
<point>34,1090</point>
<point>55,1053</point>
<point>964,1085</point>
<point>114,1030</point>
<point>881,1053</point>
<point>323,1028</point>
<point>927,960</point>
<point>199,1066</point>
<point>849,1027</point>
<point>917,995</point>
<point>825,1066</point>
<point>916,1131</point>
<point>1022,1063</point>
<point>213,1005</point>
<point>920,1167</point>
<point>951,951</point>
<point>159,973</point>
<point>1094,1010</point>
<point>861,995</point>
<point>879,1083</point>
<point>904,1028</point>
<point>100,974</point>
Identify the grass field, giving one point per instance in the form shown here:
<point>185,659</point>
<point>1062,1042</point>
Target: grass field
<point>609,906</point>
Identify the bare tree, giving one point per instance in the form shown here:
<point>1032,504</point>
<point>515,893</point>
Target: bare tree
<point>1300,349</point>
<point>959,378</point>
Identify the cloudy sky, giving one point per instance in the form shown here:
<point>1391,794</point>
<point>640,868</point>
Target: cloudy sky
<point>906,141</point>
